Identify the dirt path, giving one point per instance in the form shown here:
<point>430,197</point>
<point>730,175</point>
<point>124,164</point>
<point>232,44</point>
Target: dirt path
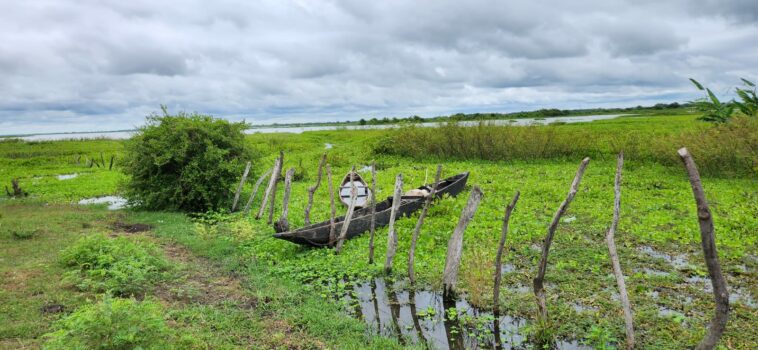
<point>201,282</point>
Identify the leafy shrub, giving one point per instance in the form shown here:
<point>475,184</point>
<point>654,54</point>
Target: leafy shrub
<point>187,162</point>
<point>117,265</point>
<point>112,324</point>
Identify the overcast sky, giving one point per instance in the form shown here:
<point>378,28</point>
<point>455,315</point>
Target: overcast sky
<point>79,65</point>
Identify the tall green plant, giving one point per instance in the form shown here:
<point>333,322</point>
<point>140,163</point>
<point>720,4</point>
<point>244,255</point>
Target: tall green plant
<point>748,103</point>
<point>713,109</point>
<point>187,162</point>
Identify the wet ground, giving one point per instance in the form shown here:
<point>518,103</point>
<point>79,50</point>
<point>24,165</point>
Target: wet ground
<point>427,317</point>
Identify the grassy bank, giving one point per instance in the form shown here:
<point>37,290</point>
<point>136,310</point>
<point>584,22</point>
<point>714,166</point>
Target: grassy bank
<point>724,150</point>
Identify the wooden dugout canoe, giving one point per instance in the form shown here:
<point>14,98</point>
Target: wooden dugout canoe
<point>317,235</point>
<point>363,194</point>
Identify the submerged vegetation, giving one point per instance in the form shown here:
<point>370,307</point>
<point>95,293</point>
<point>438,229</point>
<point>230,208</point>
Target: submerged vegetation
<point>299,297</point>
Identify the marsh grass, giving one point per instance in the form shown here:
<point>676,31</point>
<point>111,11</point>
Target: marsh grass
<point>729,149</point>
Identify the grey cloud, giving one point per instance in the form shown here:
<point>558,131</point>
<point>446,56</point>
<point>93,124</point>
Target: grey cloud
<point>103,65</point>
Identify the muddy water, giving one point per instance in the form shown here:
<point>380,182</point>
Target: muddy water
<point>426,317</point>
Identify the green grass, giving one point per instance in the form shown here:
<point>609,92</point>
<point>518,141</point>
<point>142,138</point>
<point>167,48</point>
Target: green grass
<point>657,211</point>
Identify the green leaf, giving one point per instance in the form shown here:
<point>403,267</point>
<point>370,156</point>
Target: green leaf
<point>747,82</point>
<point>697,84</point>
<point>713,98</point>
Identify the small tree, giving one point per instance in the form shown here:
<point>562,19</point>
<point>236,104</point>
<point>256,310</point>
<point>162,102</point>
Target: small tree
<point>187,162</point>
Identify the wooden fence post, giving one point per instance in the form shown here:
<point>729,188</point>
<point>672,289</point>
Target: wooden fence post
<point>539,289</point>
<point>312,190</point>
<point>271,182</point>
<point>499,257</point>
<point>255,190</point>
<point>283,224</point>
<point>277,175</point>
<point>373,214</point>
<point>392,234</point>
<point>264,201</point>
<point>708,242</point>
<point>349,215</point>
<point>623,295</point>
<point>110,166</point>
<point>419,223</point>
<point>332,226</point>
<point>455,244</point>
<point>239,187</point>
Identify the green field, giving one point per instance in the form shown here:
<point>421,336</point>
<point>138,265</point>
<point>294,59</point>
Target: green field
<point>280,295</point>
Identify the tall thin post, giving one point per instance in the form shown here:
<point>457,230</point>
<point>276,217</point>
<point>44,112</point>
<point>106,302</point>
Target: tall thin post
<point>455,244</point>
<point>628,318</point>
<point>392,234</point>
<point>332,226</point>
<point>373,214</point>
<point>239,187</point>
<point>499,256</point>
<point>312,190</point>
<point>271,182</point>
<point>539,289</point>
<point>110,166</point>
<point>283,224</point>
<point>277,174</point>
<point>255,190</point>
<point>349,215</point>
<point>419,223</point>
<point>708,242</point>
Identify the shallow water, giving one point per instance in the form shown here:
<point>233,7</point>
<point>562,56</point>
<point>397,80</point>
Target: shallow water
<point>427,317</point>
<point>67,176</point>
<point>114,202</point>
<point>119,135</point>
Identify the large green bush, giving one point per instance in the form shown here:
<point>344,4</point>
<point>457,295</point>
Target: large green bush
<point>112,324</point>
<point>116,265</point>
<point>187,162</point>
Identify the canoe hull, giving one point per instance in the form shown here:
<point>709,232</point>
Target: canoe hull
<point>318,235</point>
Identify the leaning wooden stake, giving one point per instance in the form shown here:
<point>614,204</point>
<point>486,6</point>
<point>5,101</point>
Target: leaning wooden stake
<point>276,176</point>
<point>539,290</point>
<point>271,183</point>
<point>312,190</point>
<point>110,166</point>
<point>419,223</point>
<point>628,319</point>
<point>283,225</point>
<point>455,244</point>
<point>392,234</point>
<point>708,241</point>
<point>373,214</point>
<point>255,190</point>
<point>349,215</point>
<point>332,226</point>
<point>239,187</point>
<point>499,257</point>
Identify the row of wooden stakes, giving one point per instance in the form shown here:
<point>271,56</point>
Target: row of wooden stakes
<point>455,244</point>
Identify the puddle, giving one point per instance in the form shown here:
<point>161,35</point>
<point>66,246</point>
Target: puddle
<point>114,202</point>
<point>700,282</point>
<point>580,308</point>
<point>508,268</point>
<point>328,146</point>
<point>669,313</point>
<point>426,317</point>
<point>738,295</point>
<point>653,272</point>
<point>67,176</point>
<point>569,219</point>
<point>678,261</point>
